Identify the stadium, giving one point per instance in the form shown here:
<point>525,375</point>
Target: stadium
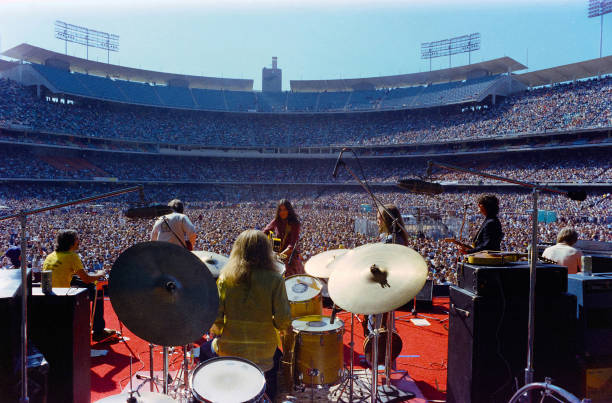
<point>72,128</point>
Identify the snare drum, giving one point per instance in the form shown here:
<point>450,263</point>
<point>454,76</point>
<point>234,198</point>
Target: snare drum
<point>317,350</point>
<point>228,379</point>
<point>304,293</point>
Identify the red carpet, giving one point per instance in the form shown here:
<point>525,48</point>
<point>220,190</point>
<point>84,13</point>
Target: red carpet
<point>423,356</point>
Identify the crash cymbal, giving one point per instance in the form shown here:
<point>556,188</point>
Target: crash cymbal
<point>320,264</point>
<point>163,293</point>
<point>376,278</point>
<point>212,260</point>
<point>141,397</point>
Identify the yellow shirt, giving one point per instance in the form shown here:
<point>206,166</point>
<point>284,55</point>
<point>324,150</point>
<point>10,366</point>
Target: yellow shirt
<point>249,316</point>
<point>63,265</point>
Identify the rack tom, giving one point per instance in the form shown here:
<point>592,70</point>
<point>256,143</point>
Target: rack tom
<point>304,293</point>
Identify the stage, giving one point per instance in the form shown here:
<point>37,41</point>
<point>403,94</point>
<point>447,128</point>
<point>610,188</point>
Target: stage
<point>423,358</point>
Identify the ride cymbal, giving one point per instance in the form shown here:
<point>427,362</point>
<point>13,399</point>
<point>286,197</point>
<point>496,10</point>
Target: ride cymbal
<point>212,260</point>
<point>163,293</point>
<point>320,264</point>
<point>376,278</point>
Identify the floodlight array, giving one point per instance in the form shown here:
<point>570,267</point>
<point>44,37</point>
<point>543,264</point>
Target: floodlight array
<point>599,7</point>
<point>85,36</point>
<point>452,46</point>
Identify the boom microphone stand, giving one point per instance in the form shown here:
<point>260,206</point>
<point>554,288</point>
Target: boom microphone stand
<point>533,253</point>
<point>22,215</point>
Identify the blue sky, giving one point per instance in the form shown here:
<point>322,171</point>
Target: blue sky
<point>312,39</point>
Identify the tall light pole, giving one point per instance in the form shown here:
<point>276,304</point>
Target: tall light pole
<point>597,8</point>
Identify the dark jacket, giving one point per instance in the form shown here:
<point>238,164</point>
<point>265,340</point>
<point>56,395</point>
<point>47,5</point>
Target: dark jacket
<point>489,236</point>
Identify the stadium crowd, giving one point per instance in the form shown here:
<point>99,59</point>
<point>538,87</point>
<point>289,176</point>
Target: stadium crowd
<point>588,165</point>
<point>328,219</point>
<point>584,104</point>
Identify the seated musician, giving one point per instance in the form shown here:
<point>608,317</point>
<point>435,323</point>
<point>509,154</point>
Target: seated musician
<point>286,225</point>
<point>253,304</point>
<point>64,263</point>
<point>564,252</point>
<point>490,234</point>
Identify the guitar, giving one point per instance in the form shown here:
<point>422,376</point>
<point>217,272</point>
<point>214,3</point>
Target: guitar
<point>456,242</point>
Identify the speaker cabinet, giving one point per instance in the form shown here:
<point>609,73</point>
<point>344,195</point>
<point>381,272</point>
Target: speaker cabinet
<point>59,326</point>
<point>487,345</point>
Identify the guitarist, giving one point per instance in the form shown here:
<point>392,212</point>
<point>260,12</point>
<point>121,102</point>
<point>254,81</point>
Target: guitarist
<point>175,227</point>
<point>490,234</point>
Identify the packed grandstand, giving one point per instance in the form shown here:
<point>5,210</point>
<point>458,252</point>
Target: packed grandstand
<point>230,152</point>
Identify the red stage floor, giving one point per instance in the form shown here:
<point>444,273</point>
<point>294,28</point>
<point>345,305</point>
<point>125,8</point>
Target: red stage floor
<point>423,356</point>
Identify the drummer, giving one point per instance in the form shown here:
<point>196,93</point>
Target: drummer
<point>253,304</point>
<point>286,225</point>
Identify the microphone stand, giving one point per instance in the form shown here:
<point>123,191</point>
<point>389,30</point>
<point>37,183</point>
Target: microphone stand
<point>533,254</point>
<point>22,216</point>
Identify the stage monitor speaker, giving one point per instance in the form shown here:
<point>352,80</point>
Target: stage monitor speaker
<point>424,298</point>
<point>59,326</point>
<point>487,345</point>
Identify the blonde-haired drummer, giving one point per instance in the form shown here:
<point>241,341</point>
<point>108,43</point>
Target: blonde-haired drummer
<point>253,304</point>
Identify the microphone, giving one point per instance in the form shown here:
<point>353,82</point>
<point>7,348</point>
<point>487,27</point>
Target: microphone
<point>152,211</point>
<point>420,186</point>
<point>578,195</point>
<point>338,161</point>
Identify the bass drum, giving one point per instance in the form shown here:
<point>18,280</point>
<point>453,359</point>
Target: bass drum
<point>228,379</point>
<point>396,347</point>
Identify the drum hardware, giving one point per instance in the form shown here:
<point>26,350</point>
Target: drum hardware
<point>373,279</point>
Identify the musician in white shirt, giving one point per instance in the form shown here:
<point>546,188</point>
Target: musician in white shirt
<point>175,227</point>
<point>563,252</point>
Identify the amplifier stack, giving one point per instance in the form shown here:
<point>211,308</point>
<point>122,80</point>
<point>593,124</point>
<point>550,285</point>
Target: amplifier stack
<point>487,349</point>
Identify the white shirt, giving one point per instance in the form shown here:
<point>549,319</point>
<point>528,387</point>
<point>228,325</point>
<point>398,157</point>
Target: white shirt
<point>564,255</point>
<point>180,224</point>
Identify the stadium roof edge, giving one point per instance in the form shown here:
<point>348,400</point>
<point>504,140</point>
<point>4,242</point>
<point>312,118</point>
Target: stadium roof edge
<point>567,72</point>
<point>37,55</point>
<point>490,67</point>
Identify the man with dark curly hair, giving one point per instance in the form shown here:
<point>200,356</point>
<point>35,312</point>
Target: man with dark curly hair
<point>490,234</point>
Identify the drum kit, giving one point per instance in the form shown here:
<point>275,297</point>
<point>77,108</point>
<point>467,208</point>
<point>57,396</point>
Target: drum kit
<point>372,279</point>
<point>167,296</point>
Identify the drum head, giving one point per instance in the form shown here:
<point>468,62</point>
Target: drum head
<point>316,324</point>
<point>302,287</point>
<point>227,379</point>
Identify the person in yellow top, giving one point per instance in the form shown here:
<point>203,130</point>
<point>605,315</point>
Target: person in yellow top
<point>64,263</point>
<point>253,305</point>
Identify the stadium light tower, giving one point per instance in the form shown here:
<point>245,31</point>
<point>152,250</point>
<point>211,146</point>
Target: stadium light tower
<point>88,37</point>
<point>597,8</point>
<point>452,46</point>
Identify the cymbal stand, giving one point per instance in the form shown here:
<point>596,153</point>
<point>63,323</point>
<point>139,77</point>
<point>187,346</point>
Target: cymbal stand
<point>165,374</point>
<point>376,333</point>
<point>351,376</point>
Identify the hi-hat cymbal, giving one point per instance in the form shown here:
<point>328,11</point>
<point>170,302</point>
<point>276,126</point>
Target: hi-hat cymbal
<point>320,265</point>
<point>163,293</point>
<point>376,278</point>
<point>212,260</point>
<point>141,397</point>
